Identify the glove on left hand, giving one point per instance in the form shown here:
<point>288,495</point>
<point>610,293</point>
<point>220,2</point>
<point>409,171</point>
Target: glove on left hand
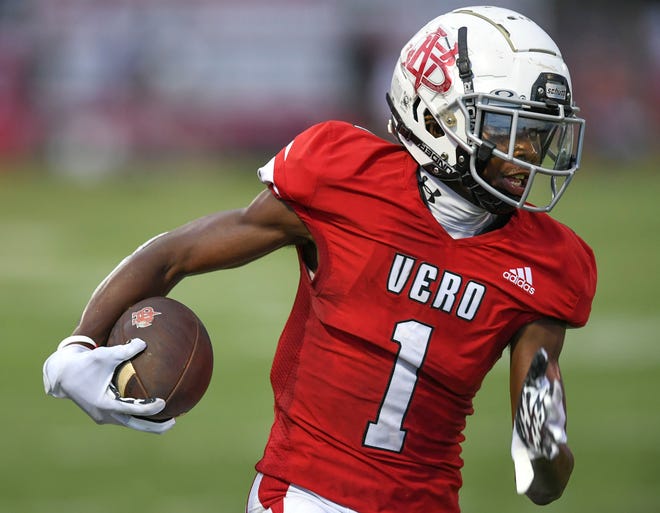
<point>84,375</point>
<point>540,421</point>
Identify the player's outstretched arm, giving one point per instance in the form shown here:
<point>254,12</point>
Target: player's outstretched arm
<point>220,240</point>
<point>542,459</point>
<point>80,370</point>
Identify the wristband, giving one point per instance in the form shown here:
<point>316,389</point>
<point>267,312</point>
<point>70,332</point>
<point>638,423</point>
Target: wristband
<point>78,339</point>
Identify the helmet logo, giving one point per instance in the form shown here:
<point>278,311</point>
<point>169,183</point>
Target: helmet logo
<point>428,62</point>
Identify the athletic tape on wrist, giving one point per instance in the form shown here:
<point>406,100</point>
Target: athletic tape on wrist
<point>77,339</point>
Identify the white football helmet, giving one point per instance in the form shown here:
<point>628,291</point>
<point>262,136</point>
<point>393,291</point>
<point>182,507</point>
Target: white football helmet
<point>481,83</point>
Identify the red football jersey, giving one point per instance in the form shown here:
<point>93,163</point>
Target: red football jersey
<point>389,341</point>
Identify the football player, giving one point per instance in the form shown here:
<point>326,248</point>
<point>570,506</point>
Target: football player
<point>420,263</point>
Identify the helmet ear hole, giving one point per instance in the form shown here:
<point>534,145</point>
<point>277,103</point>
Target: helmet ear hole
<point>415,107</point>
<point>432,126</point>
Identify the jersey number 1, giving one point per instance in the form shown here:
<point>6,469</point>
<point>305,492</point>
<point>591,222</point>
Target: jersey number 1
<point>387,431</point>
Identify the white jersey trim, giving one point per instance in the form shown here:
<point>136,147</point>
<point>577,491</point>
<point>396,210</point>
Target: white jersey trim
<point>266,173</point>
<point>296,500</point>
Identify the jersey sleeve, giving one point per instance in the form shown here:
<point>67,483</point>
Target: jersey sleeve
<point>562,268</point>
<point>277,172</point>
<point>318,159</point>
<point>581,264</point>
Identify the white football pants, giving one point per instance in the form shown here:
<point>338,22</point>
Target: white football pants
<point>296,500</point>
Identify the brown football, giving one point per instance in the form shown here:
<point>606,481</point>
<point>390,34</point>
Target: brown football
<point>178,361</point>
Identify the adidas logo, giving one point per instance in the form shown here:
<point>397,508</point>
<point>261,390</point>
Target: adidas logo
<point>521,277</point>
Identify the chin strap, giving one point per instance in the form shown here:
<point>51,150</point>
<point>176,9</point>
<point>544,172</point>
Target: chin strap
<point>478,195</point>
<point>438,167</point>
<point>465,73</point>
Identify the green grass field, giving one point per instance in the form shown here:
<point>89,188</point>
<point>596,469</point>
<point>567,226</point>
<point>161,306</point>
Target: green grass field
<point>58,239</point>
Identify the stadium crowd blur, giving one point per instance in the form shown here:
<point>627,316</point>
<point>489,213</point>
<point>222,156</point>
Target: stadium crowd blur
<point>86,85</point>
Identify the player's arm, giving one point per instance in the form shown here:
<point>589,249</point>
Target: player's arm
<point>542,459</point>
<point>82,367</point>
<point>218,241</point>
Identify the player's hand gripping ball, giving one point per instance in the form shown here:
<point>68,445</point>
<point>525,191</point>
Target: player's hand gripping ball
<point>178,361</point>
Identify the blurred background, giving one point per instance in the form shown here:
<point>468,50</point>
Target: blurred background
<point>87,85</point>
<point>122,119</point>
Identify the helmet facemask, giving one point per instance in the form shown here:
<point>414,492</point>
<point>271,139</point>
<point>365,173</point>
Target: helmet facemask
<point>538,142</point>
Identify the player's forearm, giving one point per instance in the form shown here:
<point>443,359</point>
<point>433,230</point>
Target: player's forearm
<point>143,274</point>
<point>551,476</point>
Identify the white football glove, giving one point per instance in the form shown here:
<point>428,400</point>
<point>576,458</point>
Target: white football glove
<point>540,422</point>
<point>84,375</point>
